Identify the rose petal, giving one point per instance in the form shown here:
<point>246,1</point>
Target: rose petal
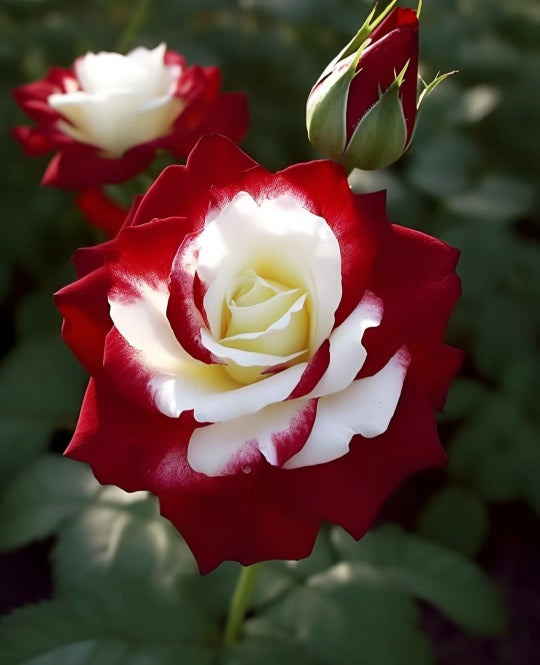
<point>214,397</point>
<point>354,222</point>
<point>365,407</point>
<point>414,272</point>
<point>277,432</point>
<point>347,354</point>
<point>310,258</point>
<point>350,490</point>
<point>83,305</point>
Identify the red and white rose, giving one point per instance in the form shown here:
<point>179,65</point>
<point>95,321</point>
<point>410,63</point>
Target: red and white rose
<point>266,353</point>
<point>106,117</point>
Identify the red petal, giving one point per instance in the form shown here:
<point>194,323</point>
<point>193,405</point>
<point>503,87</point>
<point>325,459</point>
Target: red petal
<point>184,190</point>
<point>351,490</point>
<point>101,211</point>
<point>185,315</point>
<point>395,41</point>
<point>143,254</point>
<point>80,168</point>
<point>120,442</point>
<point>85,309</point>
<point>324,187</point>
<point>415,278</point>
<point>226,518</point>
<point>313,373</point>
<point>33,141</point>
<point>237,518</point>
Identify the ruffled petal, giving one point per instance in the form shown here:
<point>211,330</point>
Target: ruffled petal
<point>276,433</point>
<point>365,407</point>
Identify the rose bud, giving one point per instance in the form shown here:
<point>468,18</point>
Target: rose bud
<point>362,110</point>
<point>266,353</point>
<point>107,117</point>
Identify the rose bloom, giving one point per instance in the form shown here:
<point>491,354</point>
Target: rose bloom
<point>265,350</point>
<point>106,117</point>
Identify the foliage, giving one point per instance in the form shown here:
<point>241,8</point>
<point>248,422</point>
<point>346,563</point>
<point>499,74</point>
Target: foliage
<point>125,586</point>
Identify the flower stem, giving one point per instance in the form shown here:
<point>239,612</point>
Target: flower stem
<point>239,603</point>
<point>134,25</point>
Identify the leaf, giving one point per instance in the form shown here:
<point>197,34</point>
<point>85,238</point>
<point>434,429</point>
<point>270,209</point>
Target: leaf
<point>121,538</point>
<point>455,518</point>
<point>267,651</point>
<point>20,441</point>
<point>345,619</point>
<point>40,380</point>
<point>464,398</point>
<point>42,498</point>
<point>497,452</point>
<point>77,632</point>
<point>121,554</point>
<point>459,588</point>
<point>495,199</point>
<point>443,165</point>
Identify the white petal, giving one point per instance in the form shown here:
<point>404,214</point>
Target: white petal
<point>224,448</point>
<point>245,358</point>
<point>366,407</point>
<point>215,397</point>
<point>144,325</point>
<point>141,69</point>
<point>123,100</point>
<point>281,241</point>
<point>178,382</point>
<point>347,354</point>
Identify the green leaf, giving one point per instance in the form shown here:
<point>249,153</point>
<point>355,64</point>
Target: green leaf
<point>267,651</point>
<point>40,380</point>
<point>497,452</point>
<point>443,164</point>
<point>42,498</point>
<point>78,632</point>
<point>465,397</point>
<point>338,617</point>
<point>455,518</point>
<point>121,554</point>
<point>380,137</point>
<point>495,199</point>
<point>20,441</point>
<point>118,538</point>
<point>459,588</point>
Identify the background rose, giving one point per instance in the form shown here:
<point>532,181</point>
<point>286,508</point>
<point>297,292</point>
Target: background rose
<point>244,436</point>
<point>108,115</point>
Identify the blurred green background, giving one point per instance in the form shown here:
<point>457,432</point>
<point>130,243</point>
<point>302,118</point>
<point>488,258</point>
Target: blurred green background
<point>451,572</point>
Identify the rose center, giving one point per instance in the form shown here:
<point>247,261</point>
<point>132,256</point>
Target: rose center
<point>266,317</point>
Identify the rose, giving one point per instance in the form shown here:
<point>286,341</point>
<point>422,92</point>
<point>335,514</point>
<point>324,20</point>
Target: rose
<point>362,110</point>
<point>100,210</point>
<point>107,116</point>
<point>265,350</point>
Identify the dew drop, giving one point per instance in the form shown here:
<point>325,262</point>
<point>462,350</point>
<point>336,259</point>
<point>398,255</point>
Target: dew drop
<point>246,469</point>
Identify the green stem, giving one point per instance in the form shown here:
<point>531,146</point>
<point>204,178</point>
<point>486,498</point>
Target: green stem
<point>134,25</point>
<point>239,603</point>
